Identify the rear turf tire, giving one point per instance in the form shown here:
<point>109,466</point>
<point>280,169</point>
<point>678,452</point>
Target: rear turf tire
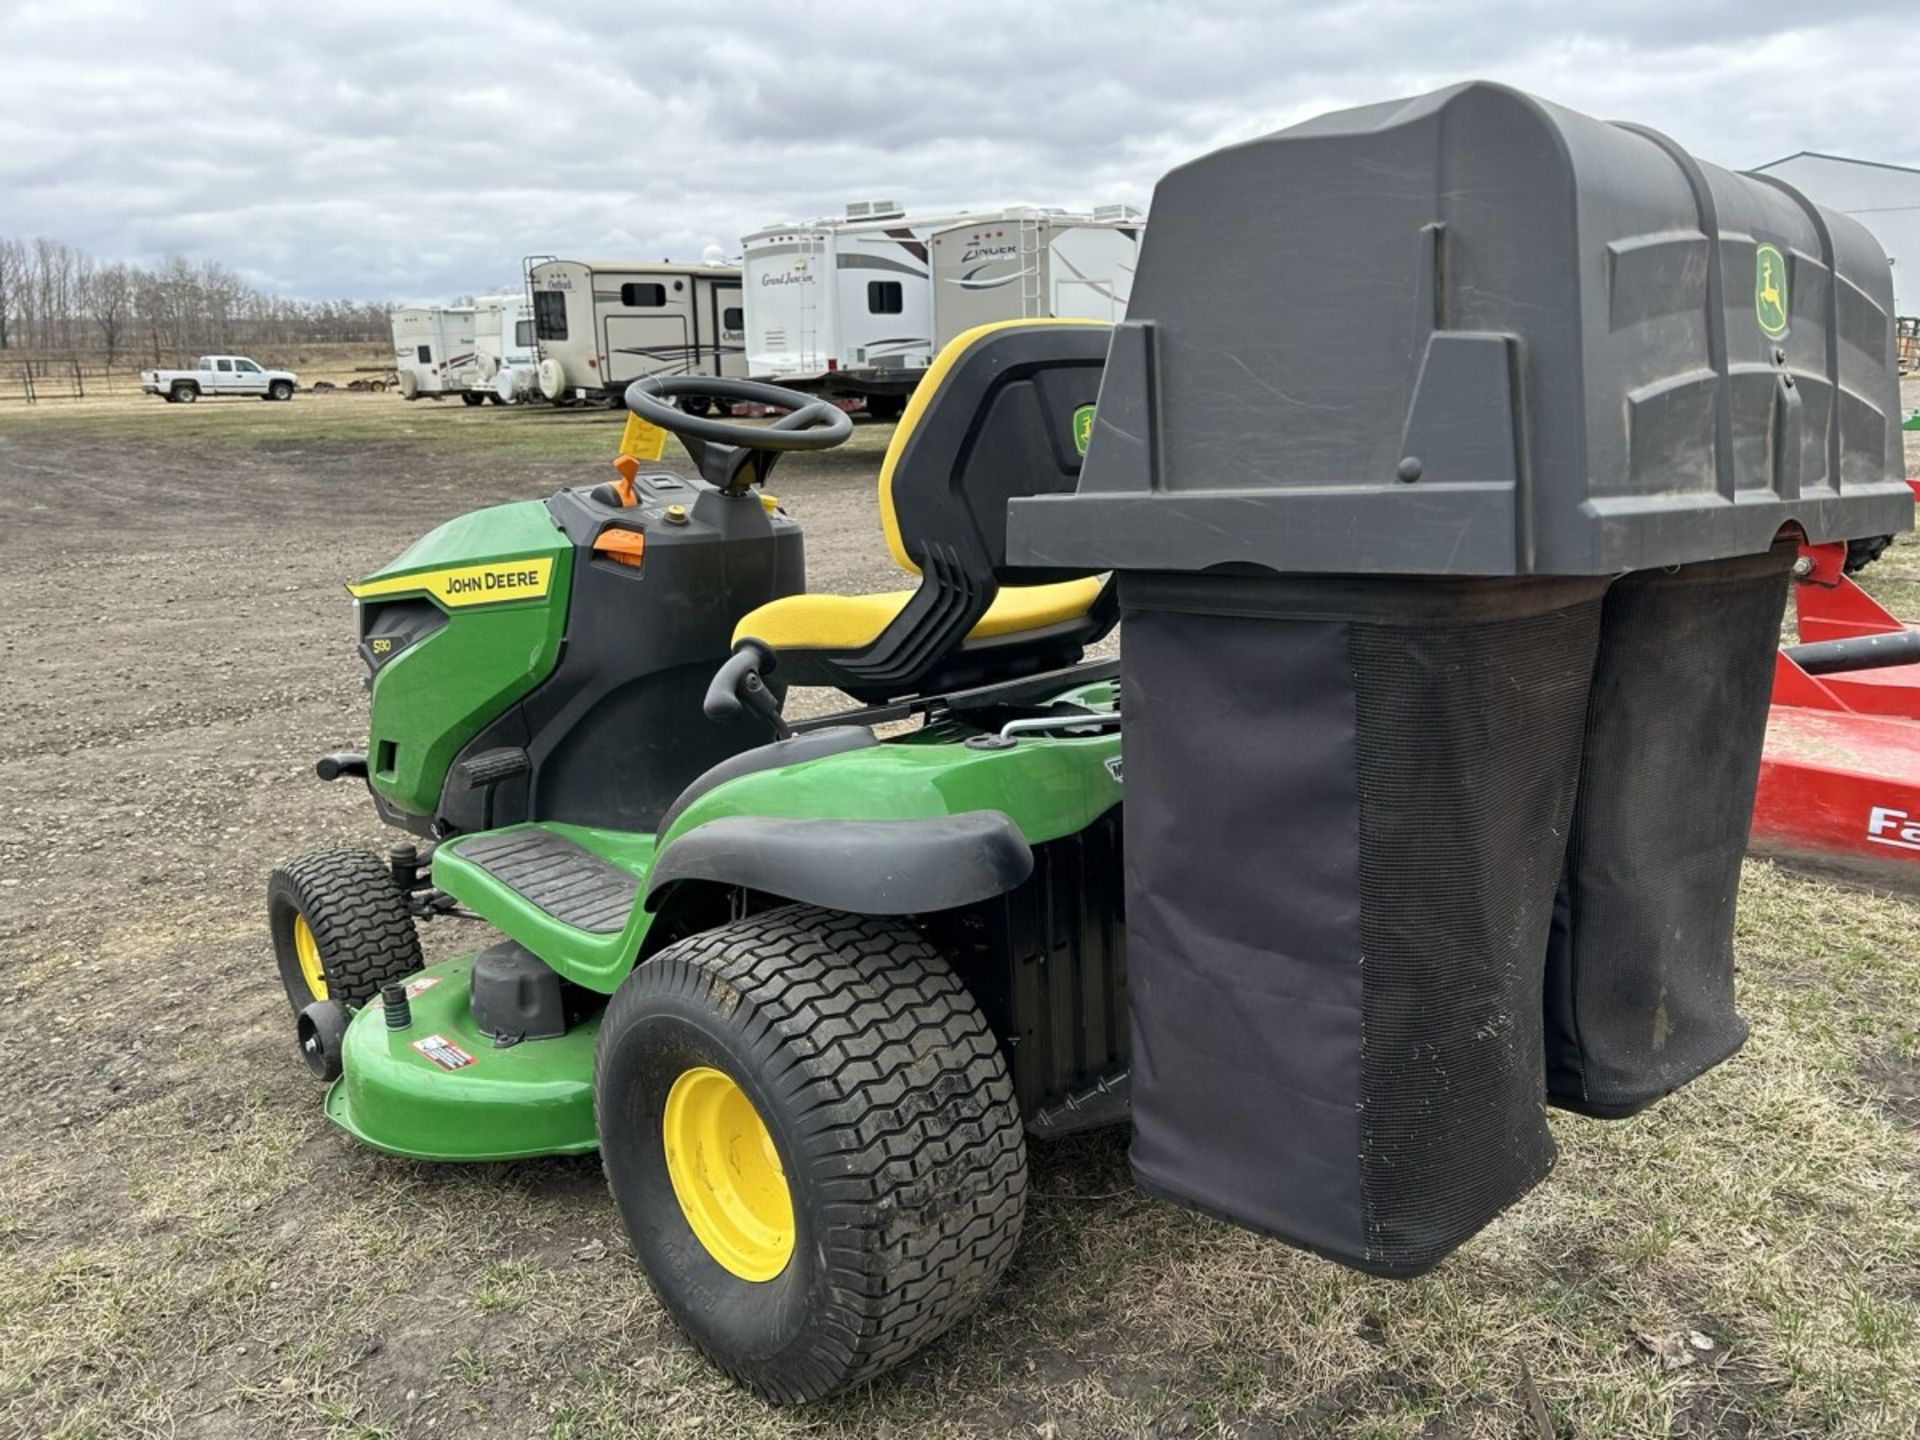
<point>356,920</point>
<point>887,1100</point>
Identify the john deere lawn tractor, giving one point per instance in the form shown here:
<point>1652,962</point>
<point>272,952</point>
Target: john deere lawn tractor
<point>1449,469</point>
<point>801,986</point>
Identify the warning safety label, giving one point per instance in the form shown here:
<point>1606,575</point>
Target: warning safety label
<point>443,1052</point>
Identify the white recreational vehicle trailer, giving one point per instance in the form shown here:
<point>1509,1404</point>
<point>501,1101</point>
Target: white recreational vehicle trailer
<point>844,306</point>
<point>433,350</point>
<point>509,360</point>
<point>1030,264</point>
<point>600,325</point>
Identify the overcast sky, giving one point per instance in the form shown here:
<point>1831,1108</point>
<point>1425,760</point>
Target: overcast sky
<point>414,151</point>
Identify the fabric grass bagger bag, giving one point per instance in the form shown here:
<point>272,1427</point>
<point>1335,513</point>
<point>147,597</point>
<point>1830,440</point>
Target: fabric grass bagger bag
<point>1639,987</point>
<point>1346,803</point>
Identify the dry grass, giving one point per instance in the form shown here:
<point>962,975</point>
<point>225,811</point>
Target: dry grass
<point>187,1248</point>
<point>220,1262</point>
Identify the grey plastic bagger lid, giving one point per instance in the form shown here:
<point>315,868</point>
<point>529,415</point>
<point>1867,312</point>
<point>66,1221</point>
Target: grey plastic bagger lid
<point>1474,333</point>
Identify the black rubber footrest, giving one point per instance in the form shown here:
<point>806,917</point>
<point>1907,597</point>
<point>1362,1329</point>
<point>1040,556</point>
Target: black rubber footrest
<point>573,885</point>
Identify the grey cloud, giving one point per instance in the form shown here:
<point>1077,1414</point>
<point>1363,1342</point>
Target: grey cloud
<point>374,150</point>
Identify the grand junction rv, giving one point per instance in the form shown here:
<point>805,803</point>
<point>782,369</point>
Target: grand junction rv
<point>844,306</point>
<point>852,306</point>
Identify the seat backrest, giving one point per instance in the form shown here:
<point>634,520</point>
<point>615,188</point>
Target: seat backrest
<point>1004,411</point>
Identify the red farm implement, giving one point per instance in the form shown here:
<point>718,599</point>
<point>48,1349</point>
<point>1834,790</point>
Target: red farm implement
<point>1840,777</point>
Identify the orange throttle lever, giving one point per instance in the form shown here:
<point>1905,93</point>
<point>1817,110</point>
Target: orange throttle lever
<point>619,493</point>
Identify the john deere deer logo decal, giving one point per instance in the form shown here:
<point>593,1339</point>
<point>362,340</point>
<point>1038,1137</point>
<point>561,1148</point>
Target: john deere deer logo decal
<point>1770,291</point>
<point>1083,428</point>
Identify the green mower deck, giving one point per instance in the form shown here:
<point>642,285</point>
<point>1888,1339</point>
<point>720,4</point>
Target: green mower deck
<point>441,1090</point>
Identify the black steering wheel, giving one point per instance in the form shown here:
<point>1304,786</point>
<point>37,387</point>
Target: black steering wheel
<point>809,424</point>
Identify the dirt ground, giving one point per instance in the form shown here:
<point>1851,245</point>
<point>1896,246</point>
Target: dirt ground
<point>188,1248</point>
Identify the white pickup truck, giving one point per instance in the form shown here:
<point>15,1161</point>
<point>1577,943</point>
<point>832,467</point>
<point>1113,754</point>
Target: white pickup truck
<point>219,375</point>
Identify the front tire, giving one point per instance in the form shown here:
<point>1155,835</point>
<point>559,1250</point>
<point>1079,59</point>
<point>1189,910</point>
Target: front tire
<point>473,397</point>
<point>280,390</point>
<point>341,928</point>
<point>811,1136</point>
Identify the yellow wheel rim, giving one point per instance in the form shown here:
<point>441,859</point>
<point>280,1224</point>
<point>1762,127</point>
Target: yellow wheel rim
<point>727,1176</point>
<point>307,951</point>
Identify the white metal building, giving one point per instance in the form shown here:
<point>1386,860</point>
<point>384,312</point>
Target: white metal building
<point>1884,198</point>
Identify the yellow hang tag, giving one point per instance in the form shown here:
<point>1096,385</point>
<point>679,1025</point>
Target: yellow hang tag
<point>642,439</point>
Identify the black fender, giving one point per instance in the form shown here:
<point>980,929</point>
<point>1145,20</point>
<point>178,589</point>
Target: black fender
<point>864,867</point>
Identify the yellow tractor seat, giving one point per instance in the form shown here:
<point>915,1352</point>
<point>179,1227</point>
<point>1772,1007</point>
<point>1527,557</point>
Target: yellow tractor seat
<point>1003,411</point>
<point>853,622</point>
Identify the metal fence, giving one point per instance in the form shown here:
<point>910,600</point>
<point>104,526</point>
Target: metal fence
<point>31,381</point>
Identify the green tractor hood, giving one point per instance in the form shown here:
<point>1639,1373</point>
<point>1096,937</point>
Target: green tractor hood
<point>463,623</point>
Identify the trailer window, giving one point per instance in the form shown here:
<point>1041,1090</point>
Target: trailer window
<point>523,334</point>
<point>550,314</point>
<point>733,318</point>
<point>884,297</point>
<point>643,294</point>
<point>425,353</point>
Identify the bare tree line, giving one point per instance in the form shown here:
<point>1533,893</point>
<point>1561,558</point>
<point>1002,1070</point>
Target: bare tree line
<point>57,298</point>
